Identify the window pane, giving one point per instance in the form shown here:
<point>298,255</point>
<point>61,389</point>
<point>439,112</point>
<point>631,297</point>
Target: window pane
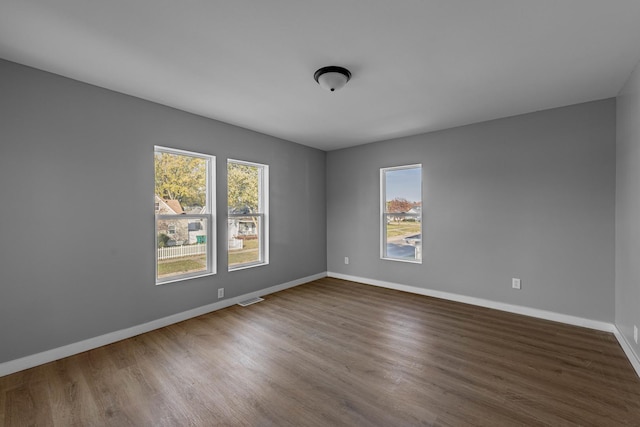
<point>181,184</point>
<point>185,237</point>
<point>402,218</point>
<point>244,240</point>
<point>243,195</point>
<point>403,235</point>
<point>181,246</point>
<point>247,225</point>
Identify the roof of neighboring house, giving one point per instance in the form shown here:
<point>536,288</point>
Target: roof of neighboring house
<point>175,206</point>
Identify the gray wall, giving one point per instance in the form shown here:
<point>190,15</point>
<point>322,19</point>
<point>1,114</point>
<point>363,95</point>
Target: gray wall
<point>628,209</point>
<point>76,210</point>
<point>529,196</point>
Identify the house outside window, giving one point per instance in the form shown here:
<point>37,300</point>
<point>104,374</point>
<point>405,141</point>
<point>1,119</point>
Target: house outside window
<point>248,210</point>
<point>401,213</point>
<point>184,205</point>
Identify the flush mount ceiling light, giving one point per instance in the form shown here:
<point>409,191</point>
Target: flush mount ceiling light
<point>332,78</point>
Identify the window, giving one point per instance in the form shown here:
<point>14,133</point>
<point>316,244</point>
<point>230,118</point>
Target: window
<point>171,228</point>
<point>401,219</point>
<point>184,202</point>
<point>248,210</point>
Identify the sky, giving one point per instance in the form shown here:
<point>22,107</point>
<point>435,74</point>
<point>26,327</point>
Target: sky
<point>404,183</point>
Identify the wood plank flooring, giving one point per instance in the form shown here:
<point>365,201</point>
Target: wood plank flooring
<point>337,353</point>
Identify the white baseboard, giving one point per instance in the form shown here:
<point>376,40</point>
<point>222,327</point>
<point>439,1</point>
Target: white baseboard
<point>31,361</point>
<point>628,350</point>
<point>511,308</point>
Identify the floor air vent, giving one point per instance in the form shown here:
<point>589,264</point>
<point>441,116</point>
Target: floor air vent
<point>250,301</point>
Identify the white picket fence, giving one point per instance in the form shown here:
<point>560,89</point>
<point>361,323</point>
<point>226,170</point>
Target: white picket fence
<point>180,251</point>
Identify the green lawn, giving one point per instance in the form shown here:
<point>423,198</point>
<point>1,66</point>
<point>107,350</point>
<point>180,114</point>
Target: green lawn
<point>182,265</point>
<point>402,228</point>
<point>249,253</point>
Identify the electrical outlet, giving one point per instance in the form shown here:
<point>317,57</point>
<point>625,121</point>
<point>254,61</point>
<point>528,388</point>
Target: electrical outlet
<point>346,260</point>
<point>515,283</point>
<point>220,293</point>
<point>635,333</point>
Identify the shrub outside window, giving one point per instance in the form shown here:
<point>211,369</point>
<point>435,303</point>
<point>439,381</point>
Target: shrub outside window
<point>248,209</point>
<point>184,223</point>
<point>401,208</point>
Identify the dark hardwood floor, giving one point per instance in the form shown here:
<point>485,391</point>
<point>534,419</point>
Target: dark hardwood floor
<point>337,353</point>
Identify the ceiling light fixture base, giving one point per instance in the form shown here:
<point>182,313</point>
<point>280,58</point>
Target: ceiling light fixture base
<point>332,77</point>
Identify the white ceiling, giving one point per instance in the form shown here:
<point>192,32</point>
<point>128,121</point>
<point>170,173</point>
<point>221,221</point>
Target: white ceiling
<point>418,65</point>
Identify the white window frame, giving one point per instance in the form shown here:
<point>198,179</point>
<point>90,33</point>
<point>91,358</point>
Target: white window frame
<point>384,214</point>
<point>263,207</point>
<point>209,216</point>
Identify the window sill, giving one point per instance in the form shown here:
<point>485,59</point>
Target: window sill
<point>182,279</point>
<point>246,266</point>
<point>417,261</point>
